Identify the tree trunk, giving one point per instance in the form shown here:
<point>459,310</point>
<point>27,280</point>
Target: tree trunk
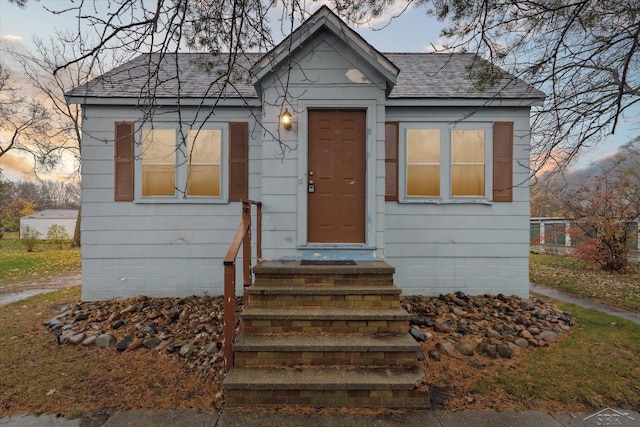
<point>76,232</point>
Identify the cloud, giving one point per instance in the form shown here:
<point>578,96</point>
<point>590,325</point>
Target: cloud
<point>391,12</point>
<point>15,167</point>
<point>12,38</point>
<point>438,46</point>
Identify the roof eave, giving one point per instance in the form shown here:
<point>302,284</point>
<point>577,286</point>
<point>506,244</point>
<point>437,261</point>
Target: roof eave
<point>166,101</point>
<point>464,102</point>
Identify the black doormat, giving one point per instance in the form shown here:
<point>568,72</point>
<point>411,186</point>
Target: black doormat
<point>327,262</point>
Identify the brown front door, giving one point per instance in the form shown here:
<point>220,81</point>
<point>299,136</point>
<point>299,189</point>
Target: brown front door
<point>336,174</point>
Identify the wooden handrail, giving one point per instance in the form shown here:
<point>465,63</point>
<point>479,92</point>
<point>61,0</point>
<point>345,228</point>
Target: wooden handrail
<point>241,238</point>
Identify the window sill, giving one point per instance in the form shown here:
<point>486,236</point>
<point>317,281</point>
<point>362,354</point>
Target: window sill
<point>469,201</point>
<point>180,201</point>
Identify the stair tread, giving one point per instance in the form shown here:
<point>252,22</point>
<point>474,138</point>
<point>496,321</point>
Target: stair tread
<point>324,313</point>
<point>332,378</point>
<point>294,267</point>
<point>361,343</point>
<point>324,290</point>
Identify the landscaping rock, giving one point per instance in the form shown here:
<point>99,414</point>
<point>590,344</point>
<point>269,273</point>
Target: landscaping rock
<point>53,322</point>
<point>504,351</point>
<point>149,330</point>
<point>447,348</point>
<point>213,347</point>
<point>105,340</point>
<point>186,349</point>
<point>77,338</point>
<point>440,326</point>
<point>89,340</point>
<point>526,335</point>
<point>465,348</point>
<point>417,334</point>
<point>191,328</point>
<point>123,344</point>
<point>150,342</point>
<point>118,324</point>
<point>135,344</point>
<point>492,333</point>
<point>548,336</point>
<point>486,349</point>
<point>130,309</point>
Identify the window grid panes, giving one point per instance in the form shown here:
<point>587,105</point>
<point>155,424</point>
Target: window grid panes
<point>423,163</point>
<point>158,162</point>
<point>203,167</point>
<point>467,163</point>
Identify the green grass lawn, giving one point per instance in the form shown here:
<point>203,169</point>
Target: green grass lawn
<point>581,279</point>
<point>595,367</point>
<point>17,265</point>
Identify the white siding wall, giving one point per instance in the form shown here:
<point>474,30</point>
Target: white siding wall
<point>476,248</point>
<point>155,249</point>
<point>176,249</point>
<point>328,64</point>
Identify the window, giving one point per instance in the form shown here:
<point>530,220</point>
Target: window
<point>195,169</point>
<point>168,169</point>
<point>467,163</point>
<point>158,162</point>
<point>203,167</point>
<point>423,162</point>
<point>450,162</point>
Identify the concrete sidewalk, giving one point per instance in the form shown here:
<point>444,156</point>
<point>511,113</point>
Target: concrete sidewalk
<point>584,302</point>
<point>426,418</point>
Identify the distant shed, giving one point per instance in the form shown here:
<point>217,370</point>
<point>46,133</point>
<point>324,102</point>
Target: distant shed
<point>42,220</point>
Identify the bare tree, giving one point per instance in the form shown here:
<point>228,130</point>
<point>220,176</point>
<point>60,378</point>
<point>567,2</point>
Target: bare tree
<point>41,70</point>
<point>24,122</point>
<point>584,54</point>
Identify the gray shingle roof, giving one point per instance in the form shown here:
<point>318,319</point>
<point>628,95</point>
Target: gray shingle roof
<point>197,75</point>
<point>443,75</point>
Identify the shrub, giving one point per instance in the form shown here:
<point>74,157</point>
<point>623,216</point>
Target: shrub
<point>30,237</point>
<point>57,235</point>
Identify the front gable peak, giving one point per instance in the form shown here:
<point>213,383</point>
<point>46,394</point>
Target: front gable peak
<point>324,19</point>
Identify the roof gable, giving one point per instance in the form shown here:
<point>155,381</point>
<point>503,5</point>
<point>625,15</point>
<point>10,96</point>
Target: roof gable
<point>324,19</point>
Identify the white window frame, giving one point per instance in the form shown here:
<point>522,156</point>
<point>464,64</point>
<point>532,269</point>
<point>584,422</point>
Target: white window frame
<point>181,159</point>
<point>446,131</point>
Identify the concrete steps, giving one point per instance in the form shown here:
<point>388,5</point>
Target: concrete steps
<point>324,335</point>
<point>314,350</point>
<point>327,386</point>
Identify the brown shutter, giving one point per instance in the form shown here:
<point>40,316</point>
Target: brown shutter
<point>391,132</point>
<point>124,160</point>
<point>503,161</point>
<point>238,161</point>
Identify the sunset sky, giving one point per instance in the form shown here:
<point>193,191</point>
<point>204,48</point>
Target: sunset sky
<point>413,31</point>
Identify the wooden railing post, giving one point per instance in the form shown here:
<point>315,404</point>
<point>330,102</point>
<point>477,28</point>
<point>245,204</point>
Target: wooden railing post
<point>229,312</point>
<point>241,238</point>
<point>246,245</point>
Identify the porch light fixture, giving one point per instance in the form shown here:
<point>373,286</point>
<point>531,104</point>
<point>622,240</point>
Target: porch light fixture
<point>285,119</point>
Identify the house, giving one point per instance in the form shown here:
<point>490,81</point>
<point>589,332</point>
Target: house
<point>419,159</point>
<point>43,220</point>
